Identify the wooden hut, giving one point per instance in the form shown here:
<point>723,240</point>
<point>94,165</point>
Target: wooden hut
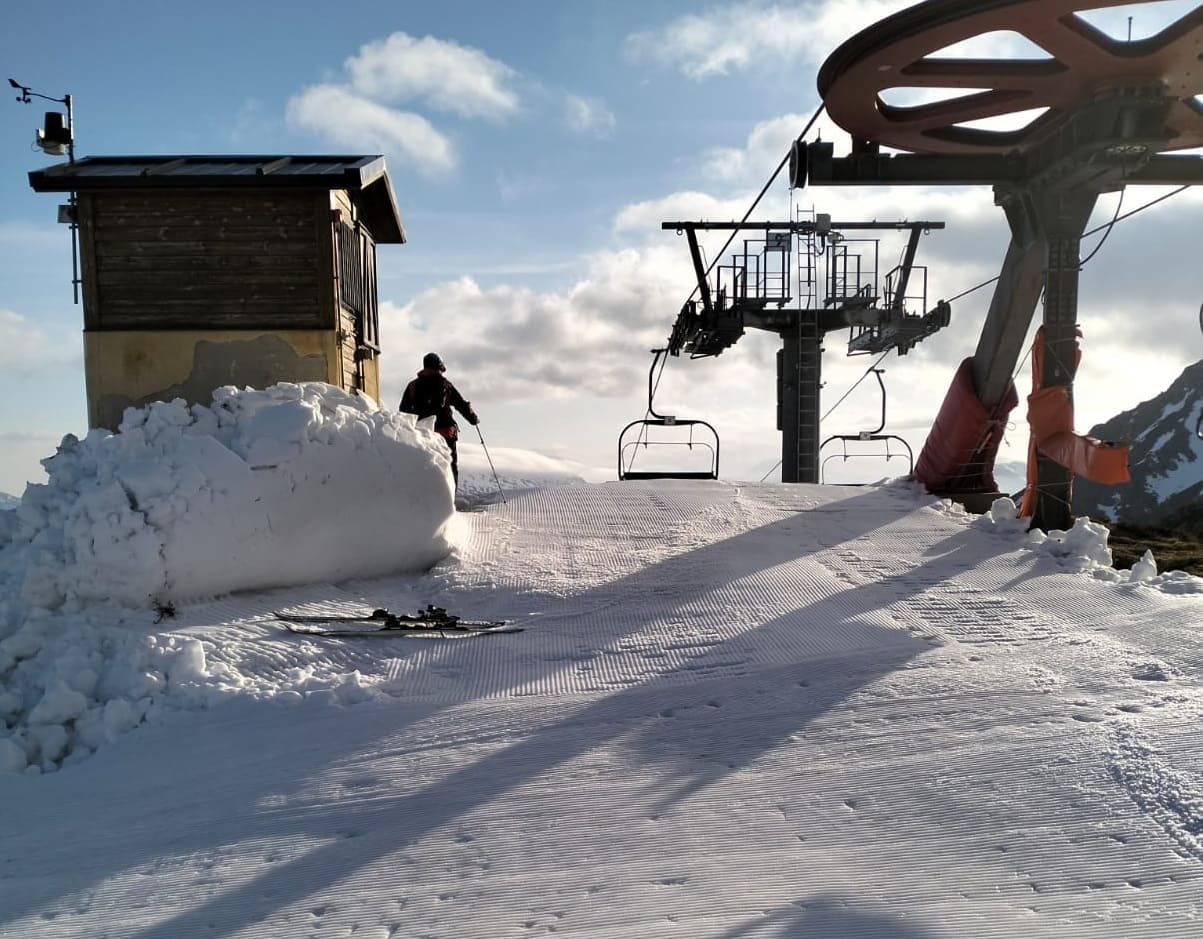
<point>203,271</point>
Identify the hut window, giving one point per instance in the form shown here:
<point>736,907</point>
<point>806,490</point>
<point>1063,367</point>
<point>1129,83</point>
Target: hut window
<point>357,281</point>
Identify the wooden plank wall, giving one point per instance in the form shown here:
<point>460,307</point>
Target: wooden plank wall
<point>206,260</point>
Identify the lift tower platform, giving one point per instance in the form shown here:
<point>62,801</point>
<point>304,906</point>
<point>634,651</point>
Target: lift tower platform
<point>838,282</point>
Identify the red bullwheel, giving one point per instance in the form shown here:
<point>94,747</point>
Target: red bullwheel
<point>1083,64</point>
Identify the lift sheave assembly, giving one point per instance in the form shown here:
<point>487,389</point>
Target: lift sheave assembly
<point>1098,114</point>
<point>1106,113</point>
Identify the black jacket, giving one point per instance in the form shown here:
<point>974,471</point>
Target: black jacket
<point>432,394</point>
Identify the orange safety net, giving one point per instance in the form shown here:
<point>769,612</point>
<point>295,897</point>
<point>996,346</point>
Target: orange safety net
<point>1051,417</point>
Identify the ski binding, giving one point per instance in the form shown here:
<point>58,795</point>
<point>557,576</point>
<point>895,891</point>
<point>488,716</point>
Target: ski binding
<point>434,620</point>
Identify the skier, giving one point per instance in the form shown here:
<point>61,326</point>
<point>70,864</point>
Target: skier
<point>432,394</point>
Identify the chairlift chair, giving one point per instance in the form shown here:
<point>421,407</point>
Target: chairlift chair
<point>869,436</point>
<point>628,449</point>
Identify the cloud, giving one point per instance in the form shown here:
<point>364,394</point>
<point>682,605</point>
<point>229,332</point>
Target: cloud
<point>749,35</point>
<point>767,143</point>
<point>346,119</point>
<point>23,453</point>
<point>248,123</point>
<point>26,349</point>
<point>443,74</point>
<point>35,238</point>
<point>376,100</point>
<point>520,344</point>
<point>359,111</point>
<point>647,216</point>
<point>588,116</point>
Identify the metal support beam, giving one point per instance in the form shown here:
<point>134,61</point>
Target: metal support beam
<point>799,378</point>
<point>927,169</point>
<point>1063,217</point>
<point>725,313</point>
<point>1014,301</point>
<point>1113,111</point>
<point>699,269</point>
<point>904,276</point>
<point>800,227</point>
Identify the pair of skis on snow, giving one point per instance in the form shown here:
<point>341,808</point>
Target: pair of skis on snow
<point>432,621</point>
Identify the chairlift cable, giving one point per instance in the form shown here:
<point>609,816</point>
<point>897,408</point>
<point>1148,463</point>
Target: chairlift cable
<point>855,385</point>
<point>1107,234</point>
<point>965,293</point>
<point>756,201</point>
<point>770,472</point>
<point>1093,231</point>
<point>1136,211</point>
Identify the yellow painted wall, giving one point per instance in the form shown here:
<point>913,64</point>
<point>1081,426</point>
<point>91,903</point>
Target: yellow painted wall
<point>132,368</point>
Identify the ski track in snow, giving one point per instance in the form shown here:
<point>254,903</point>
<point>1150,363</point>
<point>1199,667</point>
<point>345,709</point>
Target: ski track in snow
<point>763,711</point>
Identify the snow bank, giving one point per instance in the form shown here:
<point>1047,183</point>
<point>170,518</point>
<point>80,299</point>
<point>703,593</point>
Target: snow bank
<point>294,484</point>
<point>70,686</point>
<point>1084,548</point>
<point>291,485</point>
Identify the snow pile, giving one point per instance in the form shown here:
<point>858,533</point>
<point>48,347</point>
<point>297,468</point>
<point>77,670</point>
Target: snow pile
<point>1084,548</point>
<point>69,687</point>
<point>294,484</point>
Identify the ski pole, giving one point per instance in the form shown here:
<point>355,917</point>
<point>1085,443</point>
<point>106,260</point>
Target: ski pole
<point>490,459</point>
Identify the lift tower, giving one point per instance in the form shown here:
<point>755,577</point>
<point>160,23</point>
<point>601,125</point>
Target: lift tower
<point>1112,113</point>
<point>839,287</point>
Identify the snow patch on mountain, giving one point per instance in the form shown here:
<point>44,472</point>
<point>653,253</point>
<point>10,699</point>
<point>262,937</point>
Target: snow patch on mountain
<point>1166,461</point>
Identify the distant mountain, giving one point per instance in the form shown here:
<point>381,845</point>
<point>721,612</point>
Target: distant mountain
<point>8,502</point>
<point>1166,461</point>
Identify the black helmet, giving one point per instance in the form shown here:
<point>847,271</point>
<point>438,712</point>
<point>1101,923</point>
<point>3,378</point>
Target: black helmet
<point>431,360</point>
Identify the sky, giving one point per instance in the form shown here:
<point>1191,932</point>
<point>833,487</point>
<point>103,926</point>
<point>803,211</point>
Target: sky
<point>722,710</point>
<point>535,149</point>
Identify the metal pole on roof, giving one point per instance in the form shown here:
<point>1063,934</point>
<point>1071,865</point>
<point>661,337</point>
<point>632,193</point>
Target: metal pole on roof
<point>51,143</point>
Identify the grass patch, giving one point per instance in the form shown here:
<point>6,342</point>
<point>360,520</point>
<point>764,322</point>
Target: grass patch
<point>1173,550</point>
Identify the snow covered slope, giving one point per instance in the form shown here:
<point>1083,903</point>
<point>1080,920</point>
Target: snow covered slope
<point>768,711</point>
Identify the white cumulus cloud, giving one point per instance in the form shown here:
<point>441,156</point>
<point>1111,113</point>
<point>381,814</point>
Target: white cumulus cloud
<point>349,120</point>
<point>688,206</point>
<point>443,74</point>
<point>26,348</point>
<point>742,35</point>
<point>521,344</point>
<point>588,116</point>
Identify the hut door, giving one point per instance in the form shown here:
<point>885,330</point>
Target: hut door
<point>357,297</point>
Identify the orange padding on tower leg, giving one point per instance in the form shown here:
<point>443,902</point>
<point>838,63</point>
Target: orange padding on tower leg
<point>1051,417</point>
<point>964,438</point>
<point>1088,457</point>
